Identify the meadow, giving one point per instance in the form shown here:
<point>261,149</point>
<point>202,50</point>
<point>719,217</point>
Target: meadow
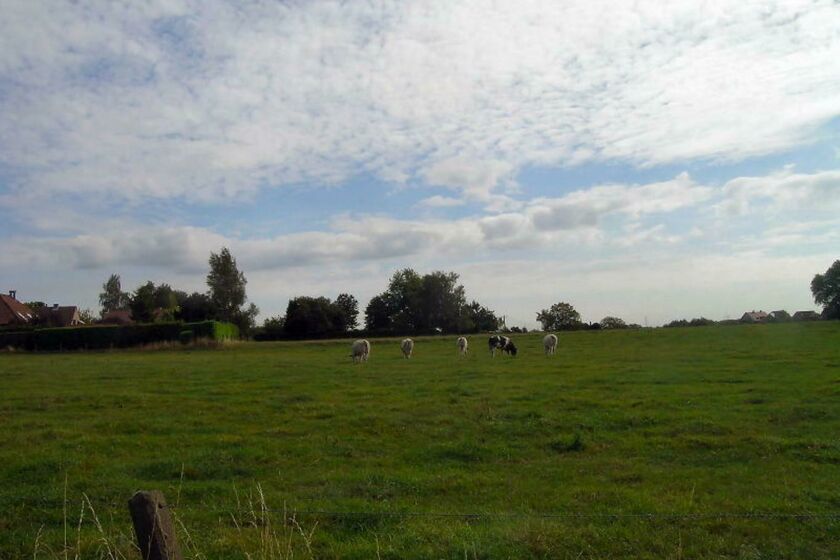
<point>713,442</point>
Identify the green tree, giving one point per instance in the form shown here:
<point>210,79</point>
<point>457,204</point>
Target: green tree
<point>480,319</point>
<point>194,307</point>
<point>434,302</point>
<point>313,317</point>
<point>151,303</point>
<point>246,318</point>
<point>349,306</point>
<point>826,291</point>
<point>378,315</point>
<point>274,328</point>
<point>112,296</point>
<point>613,323</point>
<point>560,316</point>
<point>87,317</point>
<point>227,285</point>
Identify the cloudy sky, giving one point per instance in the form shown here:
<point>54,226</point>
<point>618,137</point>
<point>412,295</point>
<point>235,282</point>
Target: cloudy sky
<point>647,159</point>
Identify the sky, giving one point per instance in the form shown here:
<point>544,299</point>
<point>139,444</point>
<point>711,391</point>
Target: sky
<point>649,160</point>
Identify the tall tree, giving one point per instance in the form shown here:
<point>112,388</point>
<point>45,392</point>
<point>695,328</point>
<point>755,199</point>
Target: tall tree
<point>560,316</point>
<point>434,302</point>
<point>313,317</point>
<point>378,315</point>
<point>349,305</point>
<point>194,307</point>
<point>227,285</point>
<point>826,291</point>
<point>153,303</point>
<point>112,296</point>
<point>481,319</point>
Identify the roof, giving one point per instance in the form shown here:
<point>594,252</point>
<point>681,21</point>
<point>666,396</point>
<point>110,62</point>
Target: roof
<point>118,316</point>
<point>62,316</point>
<point>754,316</point>
<point>13,312</point>
<point>806,314</point>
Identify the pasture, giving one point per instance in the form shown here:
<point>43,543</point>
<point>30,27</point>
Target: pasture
<point>719,442</point>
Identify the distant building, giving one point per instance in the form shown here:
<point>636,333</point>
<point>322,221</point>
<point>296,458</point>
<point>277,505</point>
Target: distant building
<point>779,316</point>
<point>754,317</point>
<point>60,316</point>
<point>806,316</point>
<point>13,312</point>
<point>117,317</point>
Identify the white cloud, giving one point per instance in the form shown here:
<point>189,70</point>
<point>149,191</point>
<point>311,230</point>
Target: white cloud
<point>214,101</point>
<point>782,192</point>
<point>438,201</point>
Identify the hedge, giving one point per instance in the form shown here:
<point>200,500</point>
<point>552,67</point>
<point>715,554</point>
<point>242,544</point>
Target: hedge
<point>114,336</point>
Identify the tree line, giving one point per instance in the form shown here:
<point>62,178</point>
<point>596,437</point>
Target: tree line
<point>224,299</point>
<point>411,304</point>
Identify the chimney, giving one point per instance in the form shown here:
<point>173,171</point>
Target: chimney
<point>12,294</point>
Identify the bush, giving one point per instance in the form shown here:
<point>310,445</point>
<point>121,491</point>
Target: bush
<point>114,336</point>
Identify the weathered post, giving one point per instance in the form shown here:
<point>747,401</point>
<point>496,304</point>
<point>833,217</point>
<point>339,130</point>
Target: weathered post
<point>153,527</point>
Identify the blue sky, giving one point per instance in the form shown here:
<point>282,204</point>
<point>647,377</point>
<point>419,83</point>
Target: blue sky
<point>641,159</point>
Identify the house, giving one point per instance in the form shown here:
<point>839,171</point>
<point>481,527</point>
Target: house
<point>117,317</point>
<point>754,317</point>
<point>806,316</point>
<point>13,312</point>
<point>779,316</point>
<point>60,316</point>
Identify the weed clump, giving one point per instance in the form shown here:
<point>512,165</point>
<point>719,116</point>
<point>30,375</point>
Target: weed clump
<point>574,445</point>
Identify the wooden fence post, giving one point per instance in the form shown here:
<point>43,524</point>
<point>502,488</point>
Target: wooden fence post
<point>153,527</point>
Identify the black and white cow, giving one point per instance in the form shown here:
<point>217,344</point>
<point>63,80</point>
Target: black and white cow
<point>502,343</point>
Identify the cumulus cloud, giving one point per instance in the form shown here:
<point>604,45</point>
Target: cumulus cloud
<point>572,219</point>
<point>783,191</point>
<point>213,101</point>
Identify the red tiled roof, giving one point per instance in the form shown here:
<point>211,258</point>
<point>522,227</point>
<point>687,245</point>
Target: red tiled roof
<point>13,312</point>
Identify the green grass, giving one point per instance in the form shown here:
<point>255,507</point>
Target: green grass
<point>697,422</point>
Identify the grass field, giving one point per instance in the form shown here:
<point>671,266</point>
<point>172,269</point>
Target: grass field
<point>563,457</point>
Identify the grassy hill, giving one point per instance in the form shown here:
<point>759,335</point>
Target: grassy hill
<point>645,444</point>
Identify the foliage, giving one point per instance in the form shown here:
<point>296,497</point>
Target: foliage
<point>273,328</point>
<point>314,317</point>
<point>87,317</point>
<point>194,307</point>
<point>559,317</point>
<point>613,323</point>
<point>378,315</point>
<point>481,319</point>
<point>694,427</point>
<point>434,302</point>
<point>151,303</point>
<point>113,336</point>
<point>696,322</point>
<point>112,296</point>
<point>246,318</point>
<point>826,291</point>
<point>227,285</point>
<point>349,306</point>
<point>35,305</point>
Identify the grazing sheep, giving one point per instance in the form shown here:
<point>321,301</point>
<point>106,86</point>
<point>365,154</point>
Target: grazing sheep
<point>407,346</point>
<point>550,344</point>
<point>463,345</point>
<point>360,351</point>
